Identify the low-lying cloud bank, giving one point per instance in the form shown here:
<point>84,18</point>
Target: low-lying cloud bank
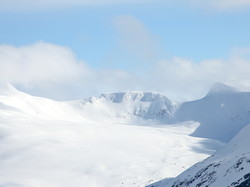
<point>38,63</point>
<point>53,71</point>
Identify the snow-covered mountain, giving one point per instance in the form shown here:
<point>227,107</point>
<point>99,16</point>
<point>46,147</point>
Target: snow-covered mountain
<point>84,143</point>
<point>230,167</point>
<point>17,102</point>
<point>114,106</point>
<point>222,113</point>
<point>130,105</point>
<point>124,139</point>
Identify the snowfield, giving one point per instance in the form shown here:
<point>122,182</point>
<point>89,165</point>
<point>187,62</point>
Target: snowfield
<point>115,140</point>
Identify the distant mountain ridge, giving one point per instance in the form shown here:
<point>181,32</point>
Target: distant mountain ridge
<point>7,89</point>
<point>146,105</point>
<point>222,113</point>
<point>219,88</point>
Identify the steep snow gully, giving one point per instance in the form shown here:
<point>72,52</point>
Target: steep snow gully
<point>125,139</point>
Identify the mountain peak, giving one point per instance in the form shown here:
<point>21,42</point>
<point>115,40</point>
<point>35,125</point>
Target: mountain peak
<point>219,88</point>
<point>131,96</point>
<point>7,88</point>
<point>126,105</point>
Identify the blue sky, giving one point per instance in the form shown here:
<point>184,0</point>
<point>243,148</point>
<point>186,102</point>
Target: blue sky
<point>130,37</point>
<point>192,33</point>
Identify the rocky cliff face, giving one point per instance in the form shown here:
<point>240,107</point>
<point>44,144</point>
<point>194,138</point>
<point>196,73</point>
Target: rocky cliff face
<point>127,105</point>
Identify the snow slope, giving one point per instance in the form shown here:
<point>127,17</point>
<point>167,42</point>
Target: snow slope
<point>49,143</point>
<point>222,113</point>
<point>13,101</point>
<point>230,166</point>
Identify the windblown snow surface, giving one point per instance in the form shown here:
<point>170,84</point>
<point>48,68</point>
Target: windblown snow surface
<point>120,139</point>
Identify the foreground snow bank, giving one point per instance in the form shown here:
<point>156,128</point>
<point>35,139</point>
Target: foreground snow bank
<point>230,166</point>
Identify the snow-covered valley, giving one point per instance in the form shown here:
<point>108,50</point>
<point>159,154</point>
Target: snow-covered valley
<point>119,139</point>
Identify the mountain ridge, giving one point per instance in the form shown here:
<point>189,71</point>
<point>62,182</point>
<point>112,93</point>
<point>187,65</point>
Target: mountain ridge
<point>146,105</point>
<point>219,88</point>
<point>221,113</point>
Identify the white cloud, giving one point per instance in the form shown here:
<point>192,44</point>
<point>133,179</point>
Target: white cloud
<point>47,4</point>
<point>190,79</point>
<point>135,37</point>
<point>53,71</point>
<point>31,5</point>
<point>221,5</point>
<point>38,63</point>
